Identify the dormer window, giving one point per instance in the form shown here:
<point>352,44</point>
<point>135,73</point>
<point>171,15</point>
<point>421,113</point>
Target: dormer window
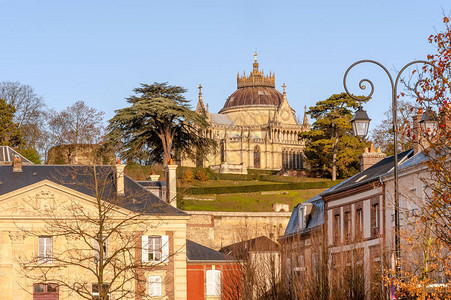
<point>304,211</point>
<point>301,218</point>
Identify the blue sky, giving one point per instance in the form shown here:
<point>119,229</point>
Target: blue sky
<point>98,51</point>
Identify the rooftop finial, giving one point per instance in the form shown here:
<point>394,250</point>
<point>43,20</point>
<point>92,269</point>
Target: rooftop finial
<point>284,86</point>
<point>256,77</point>
<point>200,109</point>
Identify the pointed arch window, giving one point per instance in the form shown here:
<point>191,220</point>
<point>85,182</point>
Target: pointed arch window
<point>257,164</point>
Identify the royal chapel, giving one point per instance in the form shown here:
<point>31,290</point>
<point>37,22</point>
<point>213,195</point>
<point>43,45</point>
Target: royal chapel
<point>256,128</point>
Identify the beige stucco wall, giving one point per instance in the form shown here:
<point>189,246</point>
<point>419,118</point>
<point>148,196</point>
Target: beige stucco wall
<point>21,223</point>
<point>220,229</point>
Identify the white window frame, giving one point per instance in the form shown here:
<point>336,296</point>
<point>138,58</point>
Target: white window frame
<point>146,246</point>
<point>359,219</point>
<point>155,287</point>
<point>45,249</point>
<point>213,278</point>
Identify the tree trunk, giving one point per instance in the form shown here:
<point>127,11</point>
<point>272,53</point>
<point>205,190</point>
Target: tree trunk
<point>167,145</point>
<point>334,153</point>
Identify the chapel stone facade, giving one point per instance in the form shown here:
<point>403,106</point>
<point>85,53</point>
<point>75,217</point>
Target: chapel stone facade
<point>255,129</point>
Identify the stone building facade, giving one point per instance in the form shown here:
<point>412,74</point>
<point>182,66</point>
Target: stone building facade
<point>255,129</point>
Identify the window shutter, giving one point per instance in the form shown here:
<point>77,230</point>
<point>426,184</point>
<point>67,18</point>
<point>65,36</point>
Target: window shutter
<point>48,247</point>
<point>41,247</point>
<point>144,248</point>
<point>209,282</point>
<point>217,282</point>
<point>105,249</point>
<point>213,282</point>
<point>164,248</point>
<point>96,249</point>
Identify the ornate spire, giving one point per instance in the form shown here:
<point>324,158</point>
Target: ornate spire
<point>200,109</point>
<point>284,92</point>
<point>255,63</point>
<point>256,78</point>
<point>305,122</point>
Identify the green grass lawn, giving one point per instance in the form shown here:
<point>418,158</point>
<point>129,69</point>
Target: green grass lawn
<point>256,202</point>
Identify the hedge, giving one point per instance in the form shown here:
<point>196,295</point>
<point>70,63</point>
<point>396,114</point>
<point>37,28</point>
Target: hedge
<point>261,188</point>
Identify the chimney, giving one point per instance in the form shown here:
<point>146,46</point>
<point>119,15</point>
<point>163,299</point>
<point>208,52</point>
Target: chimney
<point>171,183</point>
<point>154,177</point>
<point>17,164</point>
<point>418,140</point>
<point>370,157</point>
<point>120,178</point>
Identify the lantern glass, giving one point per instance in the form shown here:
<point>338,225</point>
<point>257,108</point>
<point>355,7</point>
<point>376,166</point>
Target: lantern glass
<point>360,123</point>
<point>428,122</point>
<point>360,127</point>
<point>429,126</point>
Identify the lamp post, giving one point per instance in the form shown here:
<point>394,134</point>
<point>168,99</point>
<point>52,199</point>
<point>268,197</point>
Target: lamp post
<point>360,124</point>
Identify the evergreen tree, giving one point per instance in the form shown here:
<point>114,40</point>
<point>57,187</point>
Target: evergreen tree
<point>331,149</point>
<point>158,125</point>
<point>9,131</point>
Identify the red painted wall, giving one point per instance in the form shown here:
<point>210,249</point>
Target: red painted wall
<point>195,282</point>
<point>230,277</point>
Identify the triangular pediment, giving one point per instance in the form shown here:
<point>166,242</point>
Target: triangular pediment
<point>285,114</point>
<point>40,199</point>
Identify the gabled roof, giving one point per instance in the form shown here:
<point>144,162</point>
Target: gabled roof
<point>372,173</point>
<point>415,160</point>
<point>7,155</point>
<point>197,252</point>
<point>81,178</point>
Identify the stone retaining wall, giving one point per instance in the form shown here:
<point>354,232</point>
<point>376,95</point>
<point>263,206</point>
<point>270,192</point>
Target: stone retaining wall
<point>219,229</point>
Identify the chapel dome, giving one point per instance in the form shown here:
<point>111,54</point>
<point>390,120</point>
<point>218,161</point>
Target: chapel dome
<point>254,90</point>
<point>258,95</point>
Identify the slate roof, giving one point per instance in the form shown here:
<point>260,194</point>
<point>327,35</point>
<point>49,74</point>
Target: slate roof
<point>241,249</point>
<point>372,173</point>
<point>7,155</point>
<point>197,252</point>
<point>148,183</point>
<point>316,217</point>
<point>80,178</point>
<point>221,119</point>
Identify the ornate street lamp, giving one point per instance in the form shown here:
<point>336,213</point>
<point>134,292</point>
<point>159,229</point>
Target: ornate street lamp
<point>428,121</point>
<point>360,123</point>
<point>359,129</point>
